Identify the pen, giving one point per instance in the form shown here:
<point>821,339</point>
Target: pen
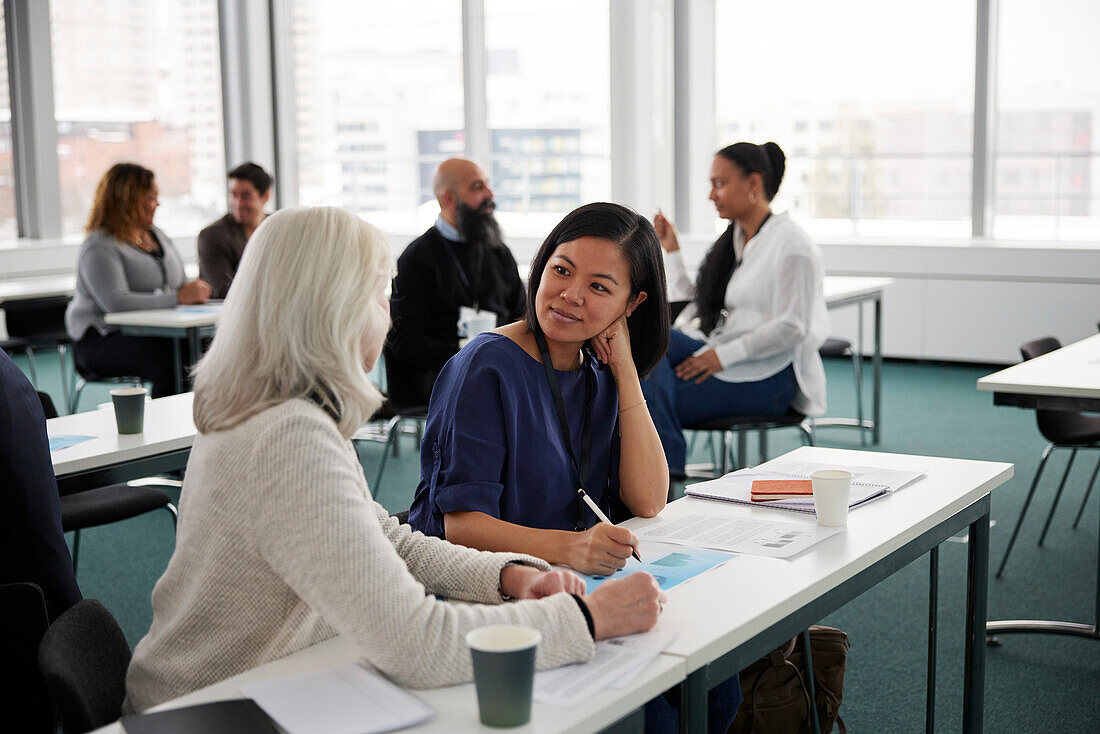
<point>602,517</point>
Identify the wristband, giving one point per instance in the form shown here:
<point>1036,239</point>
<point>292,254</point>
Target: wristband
<point>587,615</point>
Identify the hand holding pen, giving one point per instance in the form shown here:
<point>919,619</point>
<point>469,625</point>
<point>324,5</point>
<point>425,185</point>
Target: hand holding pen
<point>628,537</point>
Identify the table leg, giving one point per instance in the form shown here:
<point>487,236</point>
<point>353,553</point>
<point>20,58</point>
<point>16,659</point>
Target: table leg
<point>810,683</point>
<point>859,376</point>
<point>177,365</point>
<point>194,350</point>
<point>693,703</point>
<point>977,589</point>
<point>876,432</point>
<point>933,621</point>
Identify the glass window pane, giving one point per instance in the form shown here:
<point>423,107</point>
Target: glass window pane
<point>549,109</point>
<point>379,101</point>
<point>8,228</point>
<point>140,81</point>
<point>1047,161</point>
<point>872,102</point>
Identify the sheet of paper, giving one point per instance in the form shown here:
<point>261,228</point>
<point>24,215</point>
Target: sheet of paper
<point>737,534</point>
<point>670,565</point>
<point>203,308</point>
<point>617,662</point>
<point>347,700</point>
<point>737,487</point>
<point>63,442</point>
<point>892,479</point>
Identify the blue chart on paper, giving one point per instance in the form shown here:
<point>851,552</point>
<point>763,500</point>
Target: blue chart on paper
<point>670,569</point>
<point>61,442</point>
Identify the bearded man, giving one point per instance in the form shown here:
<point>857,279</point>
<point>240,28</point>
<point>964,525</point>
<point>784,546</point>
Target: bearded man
<point>457,273</point>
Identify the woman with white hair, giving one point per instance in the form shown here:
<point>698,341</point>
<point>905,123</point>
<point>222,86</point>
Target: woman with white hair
<point>280,545</point>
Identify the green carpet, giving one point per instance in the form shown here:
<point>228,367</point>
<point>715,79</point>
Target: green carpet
<point>1033,683</point>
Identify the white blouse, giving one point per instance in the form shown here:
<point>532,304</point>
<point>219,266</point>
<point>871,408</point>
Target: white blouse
<point>776,307</point>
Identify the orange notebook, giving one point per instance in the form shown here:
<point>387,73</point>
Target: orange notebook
<point>768,490</point>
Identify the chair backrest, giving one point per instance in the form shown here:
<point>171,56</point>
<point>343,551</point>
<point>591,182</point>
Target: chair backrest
<point>83,657</point>
<point>1057,426</point>
<point>23,698</point>
<point>47,405</point>
<point>36,317</point>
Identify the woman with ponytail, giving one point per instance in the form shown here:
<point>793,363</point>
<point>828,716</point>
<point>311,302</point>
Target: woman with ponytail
<point>747,342</point>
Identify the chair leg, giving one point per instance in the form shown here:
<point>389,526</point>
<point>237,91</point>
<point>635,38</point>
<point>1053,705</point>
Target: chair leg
<point>1088,491</point>
<point>174,513</point>
<point>742,449</point>
<point>1027,503</point>
<point>31,366</point>
<point>66,384</point>
<point>857,372</point>
<point>763,445</point>
<point>807,430</point>
<point>1058,496</point>
<point>76,395</point>
<point>76,549</point>
<point>391,437</point>
<point>727,459</point>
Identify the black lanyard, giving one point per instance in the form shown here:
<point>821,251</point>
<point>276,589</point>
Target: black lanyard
<point>586,427</point>
<point>476,258</point>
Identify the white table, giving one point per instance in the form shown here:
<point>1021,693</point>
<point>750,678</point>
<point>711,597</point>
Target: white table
<point>183,324</point>
<point>456,706</point>
<point>843,291</point>
<point>1065,379</point>
<point>111,458</point>
<point>27,289</point>
<point>735,614</point>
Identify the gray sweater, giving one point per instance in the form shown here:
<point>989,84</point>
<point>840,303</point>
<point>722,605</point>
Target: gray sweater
<point>280,546</point>
<point>112,275</point>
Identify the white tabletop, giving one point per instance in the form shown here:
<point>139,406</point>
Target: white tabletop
<point>843,287</point>
<point>456,706</point>
<point>168,427</point>
<point>42,287</point>
<point>1072,371</point>
<point>728,606</point>
<point>182,317</point>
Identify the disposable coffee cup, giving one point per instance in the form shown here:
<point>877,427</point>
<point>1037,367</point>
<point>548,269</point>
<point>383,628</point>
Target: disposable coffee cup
<point>129,408</point>
<point>504,672</point>
<point>832,489</point>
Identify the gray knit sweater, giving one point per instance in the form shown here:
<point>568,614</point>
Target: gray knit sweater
<point>280,546</point>
<point>114,276</point>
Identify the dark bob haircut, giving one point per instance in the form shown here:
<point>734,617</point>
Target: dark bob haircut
<point>649,324</point>
<point>252,173</point>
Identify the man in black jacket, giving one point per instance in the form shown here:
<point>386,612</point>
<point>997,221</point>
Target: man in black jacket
<point>461,261</point>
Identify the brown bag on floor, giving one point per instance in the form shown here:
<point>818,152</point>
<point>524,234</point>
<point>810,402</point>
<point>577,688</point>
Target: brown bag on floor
<point>777,693</point>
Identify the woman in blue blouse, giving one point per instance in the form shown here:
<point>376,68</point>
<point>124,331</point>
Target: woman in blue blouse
<point>496,472</point>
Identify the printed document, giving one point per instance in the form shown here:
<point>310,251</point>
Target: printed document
<point>737,534</point>
<point>671,565</point>
<point>617,662</point>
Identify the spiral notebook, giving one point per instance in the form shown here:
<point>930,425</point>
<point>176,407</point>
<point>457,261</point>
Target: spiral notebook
<point>737,487</point>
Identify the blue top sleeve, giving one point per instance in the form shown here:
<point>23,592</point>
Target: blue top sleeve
<point>493,443</point>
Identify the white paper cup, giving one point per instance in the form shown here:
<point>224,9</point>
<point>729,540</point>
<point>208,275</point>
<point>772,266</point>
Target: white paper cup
<point>832,489</point>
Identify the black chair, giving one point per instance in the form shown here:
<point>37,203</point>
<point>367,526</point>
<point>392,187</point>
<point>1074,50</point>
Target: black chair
<point>113,503</point>
<point>834,347</point>
<point>40,324</point>
<point>23,697</point>
<point>742,425</point>
<point>402,417</point>
<point>1064,430</point>
<point>86,376</point>
<point>83,657</point>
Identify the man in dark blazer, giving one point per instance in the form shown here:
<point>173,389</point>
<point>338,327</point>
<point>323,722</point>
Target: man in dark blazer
<point>32,545</point>
<point>461,261</point>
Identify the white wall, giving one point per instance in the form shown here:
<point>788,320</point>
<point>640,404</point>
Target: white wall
<point>967,303</point>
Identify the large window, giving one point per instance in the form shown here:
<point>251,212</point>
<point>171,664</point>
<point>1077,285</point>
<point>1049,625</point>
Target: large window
<point>871,101</point>
<point>140,81</point>
<point>1047,154</point>
<point>549,109</point>
<point>379,101</point>
<point>8,228</point>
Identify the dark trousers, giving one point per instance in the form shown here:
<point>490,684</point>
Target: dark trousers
<point>662,714</point>
<point>674,403</point>
<point>117,355</point>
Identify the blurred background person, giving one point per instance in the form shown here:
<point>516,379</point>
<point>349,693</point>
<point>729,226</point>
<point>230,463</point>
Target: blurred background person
<point>222,243</point>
